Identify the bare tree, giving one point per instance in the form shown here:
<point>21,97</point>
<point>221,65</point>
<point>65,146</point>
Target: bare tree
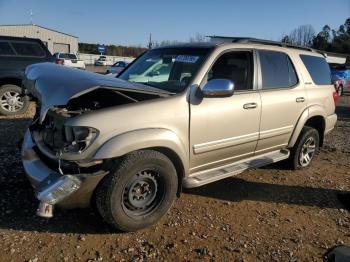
<point>198,38</point>
<point>303,35</point>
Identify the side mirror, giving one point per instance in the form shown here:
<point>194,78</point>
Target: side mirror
<point>218,88</point>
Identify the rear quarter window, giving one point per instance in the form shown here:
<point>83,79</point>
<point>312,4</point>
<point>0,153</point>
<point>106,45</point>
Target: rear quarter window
<point>318,68</point>
<point>28,49</point>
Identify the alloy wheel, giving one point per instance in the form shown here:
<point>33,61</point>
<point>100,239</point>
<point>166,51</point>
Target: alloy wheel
<point>307,152</point>
<point>11,101</point>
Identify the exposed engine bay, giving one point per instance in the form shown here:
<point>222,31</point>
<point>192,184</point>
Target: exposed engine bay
<point>60,138</point>
<point>102,98</point>
<point>63,93</point>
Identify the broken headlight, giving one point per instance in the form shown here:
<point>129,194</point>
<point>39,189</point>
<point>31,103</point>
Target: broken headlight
<point>79,138</point>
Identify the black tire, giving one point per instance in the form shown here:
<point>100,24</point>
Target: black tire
<point>307,133</point>
<point>19,103</point>
<point>340,91</point>
<point>119,198</point>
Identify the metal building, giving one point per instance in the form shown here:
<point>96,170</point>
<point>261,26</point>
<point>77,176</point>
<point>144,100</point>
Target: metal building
<point>55,41</point>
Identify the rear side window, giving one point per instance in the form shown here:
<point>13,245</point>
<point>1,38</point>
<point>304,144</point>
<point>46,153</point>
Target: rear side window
<point>28,49</point>
<point>277,70</point>
<point>318,69</point>
<point>67,56</point>
<point>5,49</point>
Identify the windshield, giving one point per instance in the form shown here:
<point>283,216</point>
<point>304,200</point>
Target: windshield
<point>170,69</point>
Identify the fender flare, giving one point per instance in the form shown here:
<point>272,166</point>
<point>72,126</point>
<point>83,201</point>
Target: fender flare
<point>314,110</point>
<point>144,138</point>
<point>12,76</point>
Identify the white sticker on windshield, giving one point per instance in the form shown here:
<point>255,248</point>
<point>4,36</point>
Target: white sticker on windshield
<point>186,58</point>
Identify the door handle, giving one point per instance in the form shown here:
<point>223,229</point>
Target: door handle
<point>250,105</point>
<point>300,99</point>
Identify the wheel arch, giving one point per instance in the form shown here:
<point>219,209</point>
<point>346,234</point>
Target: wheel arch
<point>159,139</point>
<point>10,81</point>
<point>314,117</point>
<point>176,160</point>
<point>317,122</point>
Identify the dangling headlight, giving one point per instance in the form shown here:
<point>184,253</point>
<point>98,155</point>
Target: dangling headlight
<point>79,138</point>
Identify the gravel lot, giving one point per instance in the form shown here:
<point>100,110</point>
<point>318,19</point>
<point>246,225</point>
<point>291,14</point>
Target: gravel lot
<point>269,214</point>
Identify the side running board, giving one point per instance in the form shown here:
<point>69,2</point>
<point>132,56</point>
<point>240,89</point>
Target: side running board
<point>212,175</point>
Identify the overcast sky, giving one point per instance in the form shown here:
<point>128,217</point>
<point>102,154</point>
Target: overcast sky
<point>130,22</point>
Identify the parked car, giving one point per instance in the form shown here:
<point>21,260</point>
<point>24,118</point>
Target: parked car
<point>116,68</point>
<point>341,78</point>
<point>129,145</point>
<point>69,60</point>
<point>15,54</point>
<point>103,61</point>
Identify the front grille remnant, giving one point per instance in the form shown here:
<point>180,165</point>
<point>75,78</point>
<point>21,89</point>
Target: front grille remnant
<point>53,131</point>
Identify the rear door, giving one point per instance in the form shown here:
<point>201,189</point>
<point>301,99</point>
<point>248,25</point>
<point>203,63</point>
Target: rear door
<point>283,99</point>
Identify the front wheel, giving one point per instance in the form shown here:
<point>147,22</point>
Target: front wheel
<point>305,149</point>
<point>138,192</point>
<point>12,102</point>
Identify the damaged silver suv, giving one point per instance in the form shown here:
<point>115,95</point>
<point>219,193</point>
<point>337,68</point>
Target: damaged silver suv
<point>180,116</point>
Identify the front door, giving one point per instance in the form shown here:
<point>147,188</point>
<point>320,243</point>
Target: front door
<point>226,129</point>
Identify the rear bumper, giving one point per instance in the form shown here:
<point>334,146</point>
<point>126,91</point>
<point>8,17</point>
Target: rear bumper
<point>330,123</point>
<point>69,190</point>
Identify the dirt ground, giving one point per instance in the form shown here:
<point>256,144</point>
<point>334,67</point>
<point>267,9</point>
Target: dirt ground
<point>268,214</point>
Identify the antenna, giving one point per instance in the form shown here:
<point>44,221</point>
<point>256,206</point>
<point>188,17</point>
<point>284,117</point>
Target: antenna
<point>31,16</point>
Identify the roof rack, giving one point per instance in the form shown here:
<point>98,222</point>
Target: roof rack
<point>251,40</point>
<point>269,42</point>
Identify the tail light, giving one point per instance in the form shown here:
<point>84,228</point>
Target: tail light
<point>60,61</point>
<point>335,96</point>
<point>337,83</point>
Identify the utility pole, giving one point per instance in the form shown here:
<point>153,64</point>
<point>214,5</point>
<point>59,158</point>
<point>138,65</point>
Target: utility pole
<point>31,16</point>
<point>150,44</point>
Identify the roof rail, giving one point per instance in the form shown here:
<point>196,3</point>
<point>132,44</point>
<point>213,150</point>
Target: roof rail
<point>269,42</point>
<point>251,40</point>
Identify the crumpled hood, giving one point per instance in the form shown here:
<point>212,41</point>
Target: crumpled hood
<point>55,85</point>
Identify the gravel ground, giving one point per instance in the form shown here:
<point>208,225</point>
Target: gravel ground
<point>268,214</point>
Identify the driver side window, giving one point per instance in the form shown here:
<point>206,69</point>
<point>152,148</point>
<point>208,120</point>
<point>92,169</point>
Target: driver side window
<point>234,66</point>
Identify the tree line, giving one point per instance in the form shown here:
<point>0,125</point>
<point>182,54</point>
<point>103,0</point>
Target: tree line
<point>118,50</point>
<point>328,39</point>
<point>113,50</point>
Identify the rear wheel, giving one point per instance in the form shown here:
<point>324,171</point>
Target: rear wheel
<point>305,149</point>
<point>12,101</point>
<point>138,192</point>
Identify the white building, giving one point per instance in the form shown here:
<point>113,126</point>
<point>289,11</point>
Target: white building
<point>55,41</point>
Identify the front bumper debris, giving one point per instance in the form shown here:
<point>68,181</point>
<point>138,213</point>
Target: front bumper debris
<point>51,187</point>
<point>54,189</point>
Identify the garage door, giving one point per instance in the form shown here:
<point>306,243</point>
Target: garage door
<point>62,48</point>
